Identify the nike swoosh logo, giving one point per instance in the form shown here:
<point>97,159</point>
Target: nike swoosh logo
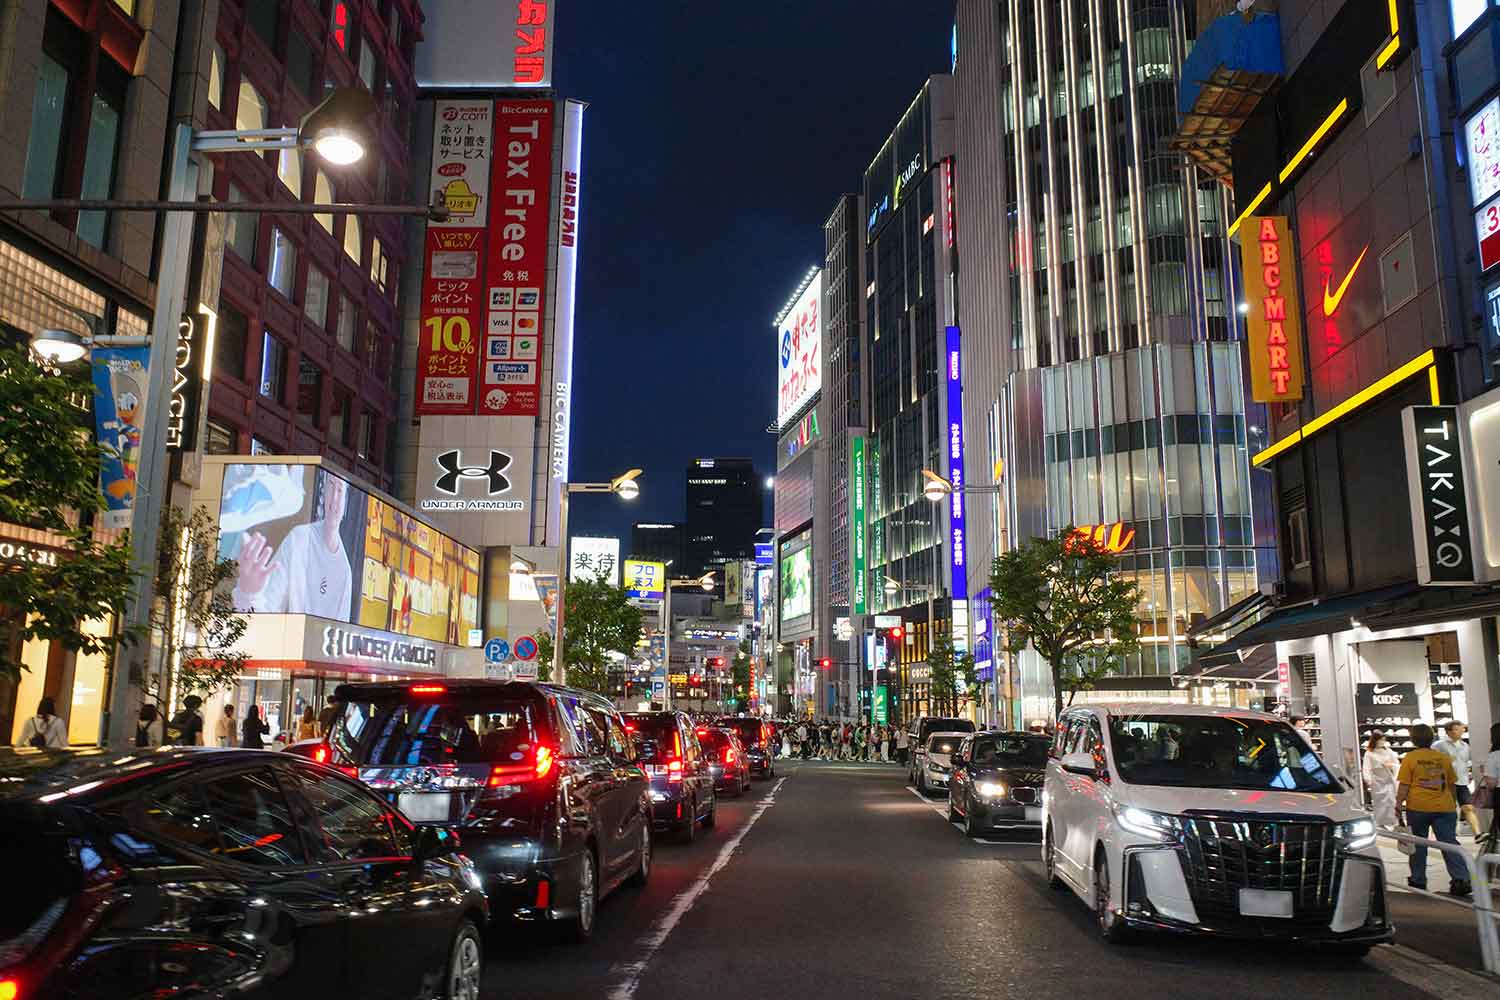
<point>1383,690</point>
<point>1332,299</point>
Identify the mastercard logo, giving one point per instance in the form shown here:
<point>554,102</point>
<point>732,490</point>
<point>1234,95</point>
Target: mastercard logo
<point>526,322</point>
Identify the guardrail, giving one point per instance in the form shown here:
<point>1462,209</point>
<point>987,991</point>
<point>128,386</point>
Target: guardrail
<point>1486,917</point>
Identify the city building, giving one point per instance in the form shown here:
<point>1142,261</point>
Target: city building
<point>723,514</point>
<point>1104,378</point>
<point>658,543</point>
<point>1366,179</point>
<point>87,93</point>
<point>915,562</point>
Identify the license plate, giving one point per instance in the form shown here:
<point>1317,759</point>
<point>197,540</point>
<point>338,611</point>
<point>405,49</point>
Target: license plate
<point>655,769</point>
<point>1033,814</point>
<point>426,807</point>
<point>1265,903</point>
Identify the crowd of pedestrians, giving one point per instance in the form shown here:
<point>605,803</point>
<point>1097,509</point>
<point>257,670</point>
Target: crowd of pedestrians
<point>836,739</point>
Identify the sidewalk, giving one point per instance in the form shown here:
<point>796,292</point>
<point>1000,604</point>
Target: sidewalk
<point>1432,922</point>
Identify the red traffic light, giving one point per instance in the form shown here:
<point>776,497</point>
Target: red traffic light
<point>717,661</point>
<point>897,632</point>
<point>825,663</point>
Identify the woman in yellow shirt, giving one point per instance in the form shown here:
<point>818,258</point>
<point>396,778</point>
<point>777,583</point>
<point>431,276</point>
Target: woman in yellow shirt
<point>1425,797</point>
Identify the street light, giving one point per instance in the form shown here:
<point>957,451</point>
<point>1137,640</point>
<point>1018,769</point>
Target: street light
<point>623,486</point>
<point>937,489</point>
<point>63,347</point>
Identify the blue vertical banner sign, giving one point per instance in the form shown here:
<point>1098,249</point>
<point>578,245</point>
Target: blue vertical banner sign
<point>960,579</point>
<point>120,384</point>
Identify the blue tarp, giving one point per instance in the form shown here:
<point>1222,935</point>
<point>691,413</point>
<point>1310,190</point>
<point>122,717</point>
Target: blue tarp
<point>1233,43</point>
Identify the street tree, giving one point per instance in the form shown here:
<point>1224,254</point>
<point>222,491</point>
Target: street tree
<point>49,481</point>
<point>600,620</point>
<point>194,613</point>
<point>1063,597</point>
<point>952,673</point>
<point>740,675</point>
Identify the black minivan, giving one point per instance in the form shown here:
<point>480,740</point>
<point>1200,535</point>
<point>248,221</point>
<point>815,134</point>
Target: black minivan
<point>540,780</point>
<point>682,785</point>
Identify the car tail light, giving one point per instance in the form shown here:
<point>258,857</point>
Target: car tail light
<point>322,753</point>
<point>428,690</point>
<point>544,761</point>
<point>729,755</point>
<point>703,732</point>
<point>352,772</point>
<point>543,894</point>
<point>10,989</point>
<point>674,770</point>
<point>513,774</point>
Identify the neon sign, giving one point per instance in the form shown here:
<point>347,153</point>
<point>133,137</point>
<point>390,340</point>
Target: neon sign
<point>1274,320</point>
<point>1114,538</point>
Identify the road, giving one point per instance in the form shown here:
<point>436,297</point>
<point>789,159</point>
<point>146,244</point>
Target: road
<point>838,881</point>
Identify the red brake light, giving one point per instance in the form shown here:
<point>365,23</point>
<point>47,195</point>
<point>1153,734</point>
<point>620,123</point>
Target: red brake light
<point>352,772</point>
<point>512,774</point>
<point>322,753</point>
<point>703,732</point>
<point>674,770</point>
<point>428,689</point>
<point>630,727</point>
<point>677,743</point>
<point>543,761</point>
<point>10,989</point>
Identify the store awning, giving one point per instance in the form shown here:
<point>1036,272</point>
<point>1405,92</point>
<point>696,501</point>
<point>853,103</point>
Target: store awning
<point>1233,65</point>
<point>1230,618</point>
<point>1433,606</point>
<point>1258,664</point>
<point>1303,621</point>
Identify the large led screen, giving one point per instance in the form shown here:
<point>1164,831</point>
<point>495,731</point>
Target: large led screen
<point>309,542</point>
<point>796,584</point>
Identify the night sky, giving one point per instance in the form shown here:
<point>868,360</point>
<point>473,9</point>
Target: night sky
<point>718,137</point>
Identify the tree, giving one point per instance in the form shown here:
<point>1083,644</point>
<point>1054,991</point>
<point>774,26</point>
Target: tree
<point>49,480</point>
<point>740,675</point>
<point>600,620</point>
<point>950,669</point>
<point>194,612</point>
<point>1063,597</point>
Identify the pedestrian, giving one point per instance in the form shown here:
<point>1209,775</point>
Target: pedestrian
<point>903,744</point>
<point>44,730</point>
<point>885,745</point>
<point>186,727</point>
<point>1380,767</point>
<point>1424,795</point>
<point>224,728</point>
<point>253,730</point>
<point>329,715</point>
<point>1488,792</point>
<point>307,727</point>
<point>1454,745</point>
<point>143,723</point>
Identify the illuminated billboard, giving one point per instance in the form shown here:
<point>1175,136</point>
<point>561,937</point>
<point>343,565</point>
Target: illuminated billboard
<point>799,351</point>
<point>1274,321</point>
<point>796,584</point>
<point>486,44</point>
<point>594,558</point>
<point>309,542</point>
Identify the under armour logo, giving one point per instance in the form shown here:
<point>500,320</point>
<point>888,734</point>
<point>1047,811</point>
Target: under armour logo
<point>449,461</point>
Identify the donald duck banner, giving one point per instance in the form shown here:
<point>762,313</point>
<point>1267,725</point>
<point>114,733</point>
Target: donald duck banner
<point>119,418</point>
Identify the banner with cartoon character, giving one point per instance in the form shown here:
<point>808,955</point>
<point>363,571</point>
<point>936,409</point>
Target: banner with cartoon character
<point>119,417</point>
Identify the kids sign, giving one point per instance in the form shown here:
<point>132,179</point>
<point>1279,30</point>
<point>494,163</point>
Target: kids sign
<point>1275,318</point>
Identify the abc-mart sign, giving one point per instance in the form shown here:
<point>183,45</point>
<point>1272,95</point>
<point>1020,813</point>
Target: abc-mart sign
<point>1453,476</point>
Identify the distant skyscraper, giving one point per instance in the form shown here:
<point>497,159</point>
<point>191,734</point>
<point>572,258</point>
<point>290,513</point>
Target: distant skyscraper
<point>658,542</point>
<point>723,513</point>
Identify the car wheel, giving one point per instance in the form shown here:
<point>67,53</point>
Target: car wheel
<point>713,813</point>
<point>1111,927</point>
<point>952,812</point>
<point>689,830</point>
<point>580,927</point>
<point>465,965</point>
<point>643,873</point>
<point>1049,860</point>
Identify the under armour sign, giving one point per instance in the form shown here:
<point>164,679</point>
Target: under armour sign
<point>453,476</point>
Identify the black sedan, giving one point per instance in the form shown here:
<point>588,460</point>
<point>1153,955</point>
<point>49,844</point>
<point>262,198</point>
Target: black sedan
<point>727,760</point>
<point>206,872</point>
<point>759,738</point>
<point>997,782</point>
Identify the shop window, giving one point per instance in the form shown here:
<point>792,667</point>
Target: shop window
<point>243,229</point>
<point>1298,547</point>
<point>272,367</point>
<point>347,320</point>
<point>251,111</point>
<point>315,298</point>
<point>221,439</point>
<point>352,238</point>
<point>216,76</point>
<point>323,195</point>
<point>309,392</point>
<point>282,273</point>
<point>231,335</point>
<point>289,169</point>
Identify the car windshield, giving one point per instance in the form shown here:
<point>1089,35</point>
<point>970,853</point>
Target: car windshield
<point>460,729</point>
<point>944,744</point>
<point>712,739</point>
<point>1216,751</point>
<point>1011,751</point>
<point>661,730</point>
<point>949,726</point>
<point>748,730</point>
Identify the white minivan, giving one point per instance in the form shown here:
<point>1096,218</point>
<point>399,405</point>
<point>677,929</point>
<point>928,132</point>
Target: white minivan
<point>1212,820</point>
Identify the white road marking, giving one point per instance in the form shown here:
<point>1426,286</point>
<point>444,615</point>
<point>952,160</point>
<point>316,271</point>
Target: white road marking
<point>941,810</point>
<point>648,946</point>
<point>1430,976</point>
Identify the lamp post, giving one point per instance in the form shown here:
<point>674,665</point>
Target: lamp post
<point>623,486</point>
<point>338,129</point>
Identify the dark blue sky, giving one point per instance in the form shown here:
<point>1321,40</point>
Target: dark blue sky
<point>718,137</point>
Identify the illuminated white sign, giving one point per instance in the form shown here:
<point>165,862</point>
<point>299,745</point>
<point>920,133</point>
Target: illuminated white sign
<point>1465,13</point>
<point>799,352</point>
<point>594,557</point>
<point>1482,133</point>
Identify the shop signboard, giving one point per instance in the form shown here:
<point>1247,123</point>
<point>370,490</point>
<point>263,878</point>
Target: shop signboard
<point>1439,495</point>
<point>858,525</point>
<point>1482,138</point>
<point>120,386</point>
<point>959,579</point>
<point>1274,321</point>
<point>799,351</point>
<point>570,181</point>
<point>1487,227</point>
<point>645,581</point>
<point>486,44</point>
<point>591,558</point>
<point>880,713</point>
<point>1391,708</point>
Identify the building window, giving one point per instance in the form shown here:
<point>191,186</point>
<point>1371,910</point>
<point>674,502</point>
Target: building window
<point>216,76</point>
<point>340,420</point>
<point>262,19</point>
<point>99,166</point>
<point>366,434</point>
<point>231,336</point>
<point>1298,546</point>
<point>323,195</point>
<point>251,111</point>
<point>367,67</point>
<point>289,169</point>
<point>46,138</point>
<point>283,270</point>
<point>378,264</point>
<point>272,367</point>
<point>221,439</point>
<point>309,392</point>
<point>259,447</point>
<point>243,229</point>
<point>301,66</point>
<point>352,238</point>
<point>315,299</point>
<point>347,320</point>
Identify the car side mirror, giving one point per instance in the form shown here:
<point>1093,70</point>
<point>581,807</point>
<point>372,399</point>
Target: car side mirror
<point>1080,763</point>
<point>432,842</point>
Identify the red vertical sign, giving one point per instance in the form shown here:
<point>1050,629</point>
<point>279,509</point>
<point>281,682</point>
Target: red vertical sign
<point>521,192</point>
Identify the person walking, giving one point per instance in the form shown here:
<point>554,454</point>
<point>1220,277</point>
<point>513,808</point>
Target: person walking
<point>45,730</point>
<point>903,744</point>
<point>307,726</point>
<point>143,723</point>
<point>253,730</point>
<point>224,728</point>
<point>186,727</point>
<point>885,744</point>
<point>1454,745</point>
<point>329,715</point>
<point>1488,793</point>
<point>1425,797</point>
<point>1380,767</point>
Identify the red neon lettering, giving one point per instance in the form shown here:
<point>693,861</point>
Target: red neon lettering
<point>1275,307</point>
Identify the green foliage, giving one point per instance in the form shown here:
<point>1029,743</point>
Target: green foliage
<point>952,674</point>
<point>1063,597</point>
<point>600,620</point>
<point>740,674</point>
<point>49,479</point>
<point>194,612</point>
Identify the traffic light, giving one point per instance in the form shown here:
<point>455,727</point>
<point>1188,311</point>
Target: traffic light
<point>825,663</point>
<point>897,632</point>
<point>717,661</point>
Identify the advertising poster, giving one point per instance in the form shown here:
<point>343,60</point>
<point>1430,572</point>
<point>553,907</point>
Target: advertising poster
<point>515,300</point>
<point>593,558</point>
<point>119,415</point>
<point>799,352</point>
<point>796,584</point>
<point>1274,321</point>
<point>959,580</point>
<point>452,277</point>
<point>546,590</point>
<point>308,542</point>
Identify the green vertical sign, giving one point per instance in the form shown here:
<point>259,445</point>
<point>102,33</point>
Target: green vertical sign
<point>879,713</point>
<point>876,505</point>
<point>857,522</point>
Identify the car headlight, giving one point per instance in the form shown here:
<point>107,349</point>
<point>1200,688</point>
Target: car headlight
<point>1355,834</point>
<point>992,789</point>
<point>1158,826</point>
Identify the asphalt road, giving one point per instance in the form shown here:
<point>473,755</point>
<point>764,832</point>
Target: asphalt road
<point>838,881</point>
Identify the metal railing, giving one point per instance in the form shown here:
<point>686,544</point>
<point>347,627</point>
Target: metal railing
<point>1486,917</point>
